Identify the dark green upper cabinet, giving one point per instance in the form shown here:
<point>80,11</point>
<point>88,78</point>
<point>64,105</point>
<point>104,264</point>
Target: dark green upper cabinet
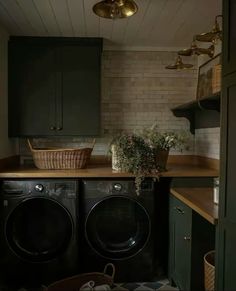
<point>54,86</point>
<point>229,36</point>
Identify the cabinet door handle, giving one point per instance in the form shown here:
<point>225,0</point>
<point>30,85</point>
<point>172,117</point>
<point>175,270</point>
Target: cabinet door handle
<point>59,128</point>
<point>187,238</point>
<point>52,128</point>
<point>181,211</point>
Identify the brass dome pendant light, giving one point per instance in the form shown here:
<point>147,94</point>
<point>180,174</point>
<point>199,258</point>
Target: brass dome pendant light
<point>179,65</point>
<point>195,50</point>
<point>214,35</point>
<point>114,9</point>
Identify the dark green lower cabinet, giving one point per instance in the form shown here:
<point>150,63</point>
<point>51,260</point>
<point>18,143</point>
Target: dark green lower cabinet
<point>190,237</point>
<point>225,277</point>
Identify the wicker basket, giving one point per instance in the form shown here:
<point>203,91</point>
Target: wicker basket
<point>59,159</point>
<point>209,271</point>
<point>76,282</point>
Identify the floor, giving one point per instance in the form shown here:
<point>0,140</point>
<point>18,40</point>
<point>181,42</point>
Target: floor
<point>146,286</point>
<point>162,285</point>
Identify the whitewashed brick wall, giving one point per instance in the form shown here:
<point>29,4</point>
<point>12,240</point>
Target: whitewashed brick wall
<point>207,142</point>
<point>137,91</point>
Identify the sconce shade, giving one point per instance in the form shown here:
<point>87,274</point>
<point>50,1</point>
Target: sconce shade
<point>213,35</point>
<point>179,65</point>
<point>195,50</point>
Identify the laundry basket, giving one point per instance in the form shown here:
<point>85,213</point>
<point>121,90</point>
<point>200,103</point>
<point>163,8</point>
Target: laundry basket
<point>209,271</point>
<point>61,159</point>
<point>74,283</point>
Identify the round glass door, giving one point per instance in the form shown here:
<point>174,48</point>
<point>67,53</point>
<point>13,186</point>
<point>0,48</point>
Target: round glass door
<point>117,227</point>
<point>39,229</point>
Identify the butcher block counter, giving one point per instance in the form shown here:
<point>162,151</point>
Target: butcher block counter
<point>200,200</point>
<point>178,166</point>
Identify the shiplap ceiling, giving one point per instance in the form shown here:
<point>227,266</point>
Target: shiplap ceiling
<point>158,24</point>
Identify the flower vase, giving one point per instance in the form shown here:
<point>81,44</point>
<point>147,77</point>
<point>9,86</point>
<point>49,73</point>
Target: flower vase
<point>161,158</point>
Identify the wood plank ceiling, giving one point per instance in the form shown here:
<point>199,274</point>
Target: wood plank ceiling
<point>160,24</point>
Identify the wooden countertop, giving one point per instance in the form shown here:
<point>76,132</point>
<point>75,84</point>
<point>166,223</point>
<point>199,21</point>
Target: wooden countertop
<point>200,200</point>
<point>104,171</point>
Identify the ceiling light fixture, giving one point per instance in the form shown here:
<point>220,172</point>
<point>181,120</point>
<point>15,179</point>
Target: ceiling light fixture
<point>179,65</point>
<point>214,35</point>
<point>114,9</point>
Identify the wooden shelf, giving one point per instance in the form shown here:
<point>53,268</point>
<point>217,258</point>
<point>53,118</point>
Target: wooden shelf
<point>192,109</point>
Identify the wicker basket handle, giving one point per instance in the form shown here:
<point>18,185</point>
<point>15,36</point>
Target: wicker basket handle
<point>30,145</point>
<point>112,268</point>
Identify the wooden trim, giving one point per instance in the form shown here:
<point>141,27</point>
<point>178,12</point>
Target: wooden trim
<point>200,200</point>
<point>9,162</point>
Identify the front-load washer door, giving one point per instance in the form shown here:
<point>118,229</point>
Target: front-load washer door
<point>117,227</point>
<point>39,229</point>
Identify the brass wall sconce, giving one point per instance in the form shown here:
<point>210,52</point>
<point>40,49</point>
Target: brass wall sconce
<point>114,9</point>
<point>179,65</point>
<point>214,35</point>
<point>195,50</point>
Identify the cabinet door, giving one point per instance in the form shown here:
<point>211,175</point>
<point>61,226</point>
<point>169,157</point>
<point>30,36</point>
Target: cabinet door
<point>229,36</point>
<point>180,238</point>
<point>31,89</point>
<point>79,113</point>
<point>226,260</point>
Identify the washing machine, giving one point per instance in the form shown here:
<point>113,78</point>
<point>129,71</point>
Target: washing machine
<point>38,231</point>
<point>118,226</point>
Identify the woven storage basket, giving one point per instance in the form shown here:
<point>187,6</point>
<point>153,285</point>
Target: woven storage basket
<point>209,271</point>
<point>58,159</point>
<point>76,282</point>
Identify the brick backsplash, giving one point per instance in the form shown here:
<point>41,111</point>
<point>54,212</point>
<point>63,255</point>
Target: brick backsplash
<point>137,91</point>
<point>207,142</point>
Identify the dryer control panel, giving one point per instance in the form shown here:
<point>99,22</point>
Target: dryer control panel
<point>49,188</point>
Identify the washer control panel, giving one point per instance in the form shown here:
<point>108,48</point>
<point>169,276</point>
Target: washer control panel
<point>51,188</point>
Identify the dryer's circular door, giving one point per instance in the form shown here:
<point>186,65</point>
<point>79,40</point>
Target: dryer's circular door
<point>39,229</point>
<point>117,227</point>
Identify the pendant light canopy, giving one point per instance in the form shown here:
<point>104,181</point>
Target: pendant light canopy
<point>113,9</point>
<point>179,65</point>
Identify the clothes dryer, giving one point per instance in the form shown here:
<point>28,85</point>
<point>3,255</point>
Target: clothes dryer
<point>118,226</point>
<point>39,237</point>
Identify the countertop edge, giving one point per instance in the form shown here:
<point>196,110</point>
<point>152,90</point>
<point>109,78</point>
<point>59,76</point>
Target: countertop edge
<point>208,216</point>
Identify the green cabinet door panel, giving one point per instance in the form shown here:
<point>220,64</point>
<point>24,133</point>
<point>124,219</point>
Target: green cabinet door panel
<point>229,36</point>
<point>230,204</point>
<point>226,261</point>
<point>226,251</point>
<point>180,224</point>
<point>31,89</point>
<point>80,67</point>
<point>226,238</point>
